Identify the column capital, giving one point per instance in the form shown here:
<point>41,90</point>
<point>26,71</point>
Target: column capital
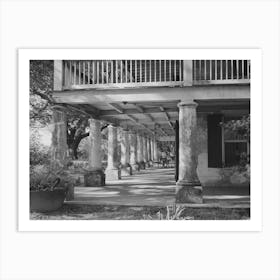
<point>94,120</point>
<point>187,103</point>
<point>112,125</point>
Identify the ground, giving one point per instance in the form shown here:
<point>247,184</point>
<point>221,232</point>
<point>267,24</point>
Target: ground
<point>146,194</point>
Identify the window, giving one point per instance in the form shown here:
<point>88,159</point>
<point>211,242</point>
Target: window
<point>225,147</point>
<point>235,146</point>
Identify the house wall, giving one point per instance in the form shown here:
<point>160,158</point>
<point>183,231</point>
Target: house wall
<point>214,176</point>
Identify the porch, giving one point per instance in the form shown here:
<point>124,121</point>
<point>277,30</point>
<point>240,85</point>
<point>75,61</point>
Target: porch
<point>156,187</point>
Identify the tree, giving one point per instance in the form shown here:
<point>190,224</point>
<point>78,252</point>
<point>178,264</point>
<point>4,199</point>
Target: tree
<point>41,102</point>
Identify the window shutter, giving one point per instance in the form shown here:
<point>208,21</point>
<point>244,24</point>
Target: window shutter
<point>214,140</point>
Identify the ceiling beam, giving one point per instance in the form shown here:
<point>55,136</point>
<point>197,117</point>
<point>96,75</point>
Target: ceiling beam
<point>116,107</point>
<point>166,116</point>
<point>140,124</point>
<point>118,111</point>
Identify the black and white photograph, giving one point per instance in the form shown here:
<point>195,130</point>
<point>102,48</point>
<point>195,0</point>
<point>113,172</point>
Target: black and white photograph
<point>140,139</point>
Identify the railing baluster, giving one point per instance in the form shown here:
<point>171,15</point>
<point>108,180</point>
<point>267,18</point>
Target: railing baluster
<point>84,71</point>
<point>199,70</point>
<point>231,69</point>
<point>116,71</point>
<point>170,68</point>
<point>70,72</point>
<point>160,78</point>
<point>107,70</point>
<point>205,70</point>
<point>216,69</point>
<point>140,71</point>
<point>88,64</point>
<point>221,69</point>
<point>248,69</point>
<point>242,73</point>
<point>150,71</point>
<point>180,71</point>
<point>79,73</point>
<point>165,73</point>
<point>97,71</point>
<point>135,71</point>
<point>226,69</point>
<point>92,66</point>
<point>175,70</point>
<point>126,71</point>
<point>210,70</point>
<point>111,72</point>
<point>121,71</point>
<point>237,69</point>
<point>130,69</point>
<point>145,71</point>
<point>155,70</point>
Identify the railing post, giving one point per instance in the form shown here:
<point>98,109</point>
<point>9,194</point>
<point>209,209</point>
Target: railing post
<point>58,75</point>
<point>187,73</point>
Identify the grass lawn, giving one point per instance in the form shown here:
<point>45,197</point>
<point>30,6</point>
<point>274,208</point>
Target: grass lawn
<point>99,212</point>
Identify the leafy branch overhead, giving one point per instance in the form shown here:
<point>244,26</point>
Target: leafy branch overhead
<point>41,102</point>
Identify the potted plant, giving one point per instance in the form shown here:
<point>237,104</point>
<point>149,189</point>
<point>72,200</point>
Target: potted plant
<point>48,189</point>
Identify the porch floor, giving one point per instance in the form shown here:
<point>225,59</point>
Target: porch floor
<point>156,187</point>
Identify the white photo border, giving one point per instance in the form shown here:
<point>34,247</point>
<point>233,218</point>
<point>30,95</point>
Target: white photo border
<point>255,221</point>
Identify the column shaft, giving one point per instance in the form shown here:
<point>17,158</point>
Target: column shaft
<point>133,151</point>
<point>188,188</point>
<point>140,152</point>
<point>112,171</point>
<point>125,149</point>
<point>94,176</point>
<point>145,152</point>
<point>155,150</point>
<point>59,148</point>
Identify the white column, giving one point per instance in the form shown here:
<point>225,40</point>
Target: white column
<point>112,171</point>
<point>133,151</point>
<point>152,148</point>
<point>94,176</point>
<point>155,150</point>
<point>125,149</point>
<point>188,187</point>
<point>59,148</point>
<point>140,151</point>
<point>145,154</point>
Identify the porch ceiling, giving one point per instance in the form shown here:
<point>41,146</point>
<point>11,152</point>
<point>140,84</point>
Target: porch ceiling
<point>155,117</point>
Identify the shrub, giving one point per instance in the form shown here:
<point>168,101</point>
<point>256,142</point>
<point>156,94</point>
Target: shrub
<point>39,154</point>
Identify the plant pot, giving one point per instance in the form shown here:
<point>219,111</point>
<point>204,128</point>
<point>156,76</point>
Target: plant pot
<point>45,201</point>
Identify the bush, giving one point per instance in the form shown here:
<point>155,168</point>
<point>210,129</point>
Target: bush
<point>42,179</point>
<point>39,154</point>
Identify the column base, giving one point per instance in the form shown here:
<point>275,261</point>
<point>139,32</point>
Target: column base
<point>94,178</point>
<point>187,192</point>
<point>126,170</point>
<point>135,167</point>
<point>142,165</point>
<point>113,174</point>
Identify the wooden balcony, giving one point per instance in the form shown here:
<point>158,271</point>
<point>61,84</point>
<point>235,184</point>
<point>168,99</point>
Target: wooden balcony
<point>207,72</point>
<point>120,74</point>
<point>104,74</point>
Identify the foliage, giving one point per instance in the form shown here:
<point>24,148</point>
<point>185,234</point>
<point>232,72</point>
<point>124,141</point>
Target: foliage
<point>43,179</point>
<point>41,102</point>
<point>41,85</point>
<point>173,212</point>
<point>39,154</point>
<point>240,126</point>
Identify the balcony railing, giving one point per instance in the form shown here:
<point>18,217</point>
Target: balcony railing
<point>221,71</point>
<point>102,74</point>
<point>110,74</point>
